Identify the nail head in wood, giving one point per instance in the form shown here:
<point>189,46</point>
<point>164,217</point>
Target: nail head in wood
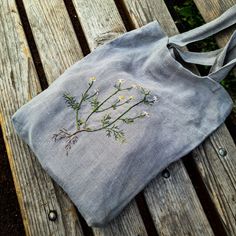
<point>222,152</point>
<point>52,215</point>
<point>165,174</point>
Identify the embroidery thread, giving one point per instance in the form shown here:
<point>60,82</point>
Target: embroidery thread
<point>107,123</point>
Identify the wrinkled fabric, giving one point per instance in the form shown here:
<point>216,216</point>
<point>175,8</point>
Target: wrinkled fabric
<point>100,174</point>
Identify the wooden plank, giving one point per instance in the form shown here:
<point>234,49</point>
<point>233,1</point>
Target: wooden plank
<point>52,44</point>
<point>18,84</point>
<point>219,176</point>
<point>100,20</point>
<point>221,180</point>
<point>218,173</point>
<point>54,36</point>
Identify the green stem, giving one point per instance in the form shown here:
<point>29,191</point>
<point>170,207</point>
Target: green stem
<point>91,96</point>
<point>100,105</point>
<point>80,103</point>
<point>82,98</point>
<point>105,109</point>
<point>118,118</point>
<point>134,118</point>
<point>95,110</point>
<point>77,119</point>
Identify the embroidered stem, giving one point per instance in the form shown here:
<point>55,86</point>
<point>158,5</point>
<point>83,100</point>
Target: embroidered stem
<point>83,98</point>
<point>104,101</point>
<point>108,124</point>
<point>111,123</point>
<point>115,105</point>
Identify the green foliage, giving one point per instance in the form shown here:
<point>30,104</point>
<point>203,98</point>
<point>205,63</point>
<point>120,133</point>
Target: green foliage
<point>116,132</point>
<point>105,120</point>
<point>94,103</point>
<point>70,101</point>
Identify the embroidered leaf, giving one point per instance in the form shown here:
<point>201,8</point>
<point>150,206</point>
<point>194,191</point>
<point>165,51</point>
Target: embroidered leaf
<point>108,123</point>
<point>70,101</point>
<point>116,132</point>
<point>94,103</point>
<point>71,141</point>
<point>128,120</point>
<point>105,119</point>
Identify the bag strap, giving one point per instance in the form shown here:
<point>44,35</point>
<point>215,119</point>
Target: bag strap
<point>225,20</point>
<point>200,58</point>
<point>225,61</point>
<point>221,60</point>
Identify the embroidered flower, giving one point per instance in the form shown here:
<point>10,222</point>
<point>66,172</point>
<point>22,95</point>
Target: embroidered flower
<point>145,114</point>
<point>92,79</point>
<point>154,98</point>
<point>109,121</point>
<point>122,97</point>
<point>121,81</point>
<point>135,86</point>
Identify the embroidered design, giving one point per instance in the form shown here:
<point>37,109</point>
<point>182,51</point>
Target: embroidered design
<point>107,123</point>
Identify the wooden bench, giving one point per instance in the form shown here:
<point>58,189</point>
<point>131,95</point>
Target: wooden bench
<point>200,201</point>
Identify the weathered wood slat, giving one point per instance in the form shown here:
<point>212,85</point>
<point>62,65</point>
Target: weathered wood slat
<point>54,36</point>
<point>100,20</point>
<point>218,173</point>
<point>18,84</point>
<point>53,45</point>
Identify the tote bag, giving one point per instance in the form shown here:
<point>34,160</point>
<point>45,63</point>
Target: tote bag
<point>113,120</point>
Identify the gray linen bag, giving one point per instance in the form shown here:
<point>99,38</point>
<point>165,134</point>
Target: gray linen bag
<point>116,118</point>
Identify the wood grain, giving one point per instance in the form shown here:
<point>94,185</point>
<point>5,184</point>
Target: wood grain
<point>218,173</point>
<point>219,176</point>
<point>100,21</point>
<point>96,26</point>
<point>18,84</point>
<point>54,35</point>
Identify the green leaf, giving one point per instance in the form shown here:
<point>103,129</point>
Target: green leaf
<point>70,101</point>
<point>94,103</point>
<point>116,132</point>
<point>128,120</point>
<point>105,119</point>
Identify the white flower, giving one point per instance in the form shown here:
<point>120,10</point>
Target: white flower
<point>92,79</point>
<point>131,97</point>
<point>154,98</point>
<point>121,81</point>
<point>145,114</point>
<point>135,86</point>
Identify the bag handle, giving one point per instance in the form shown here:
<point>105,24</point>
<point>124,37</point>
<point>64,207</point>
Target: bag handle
<point>225,61</point>
<point>200,58</point>
<point>225,20</point>
<point>221,60</point>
